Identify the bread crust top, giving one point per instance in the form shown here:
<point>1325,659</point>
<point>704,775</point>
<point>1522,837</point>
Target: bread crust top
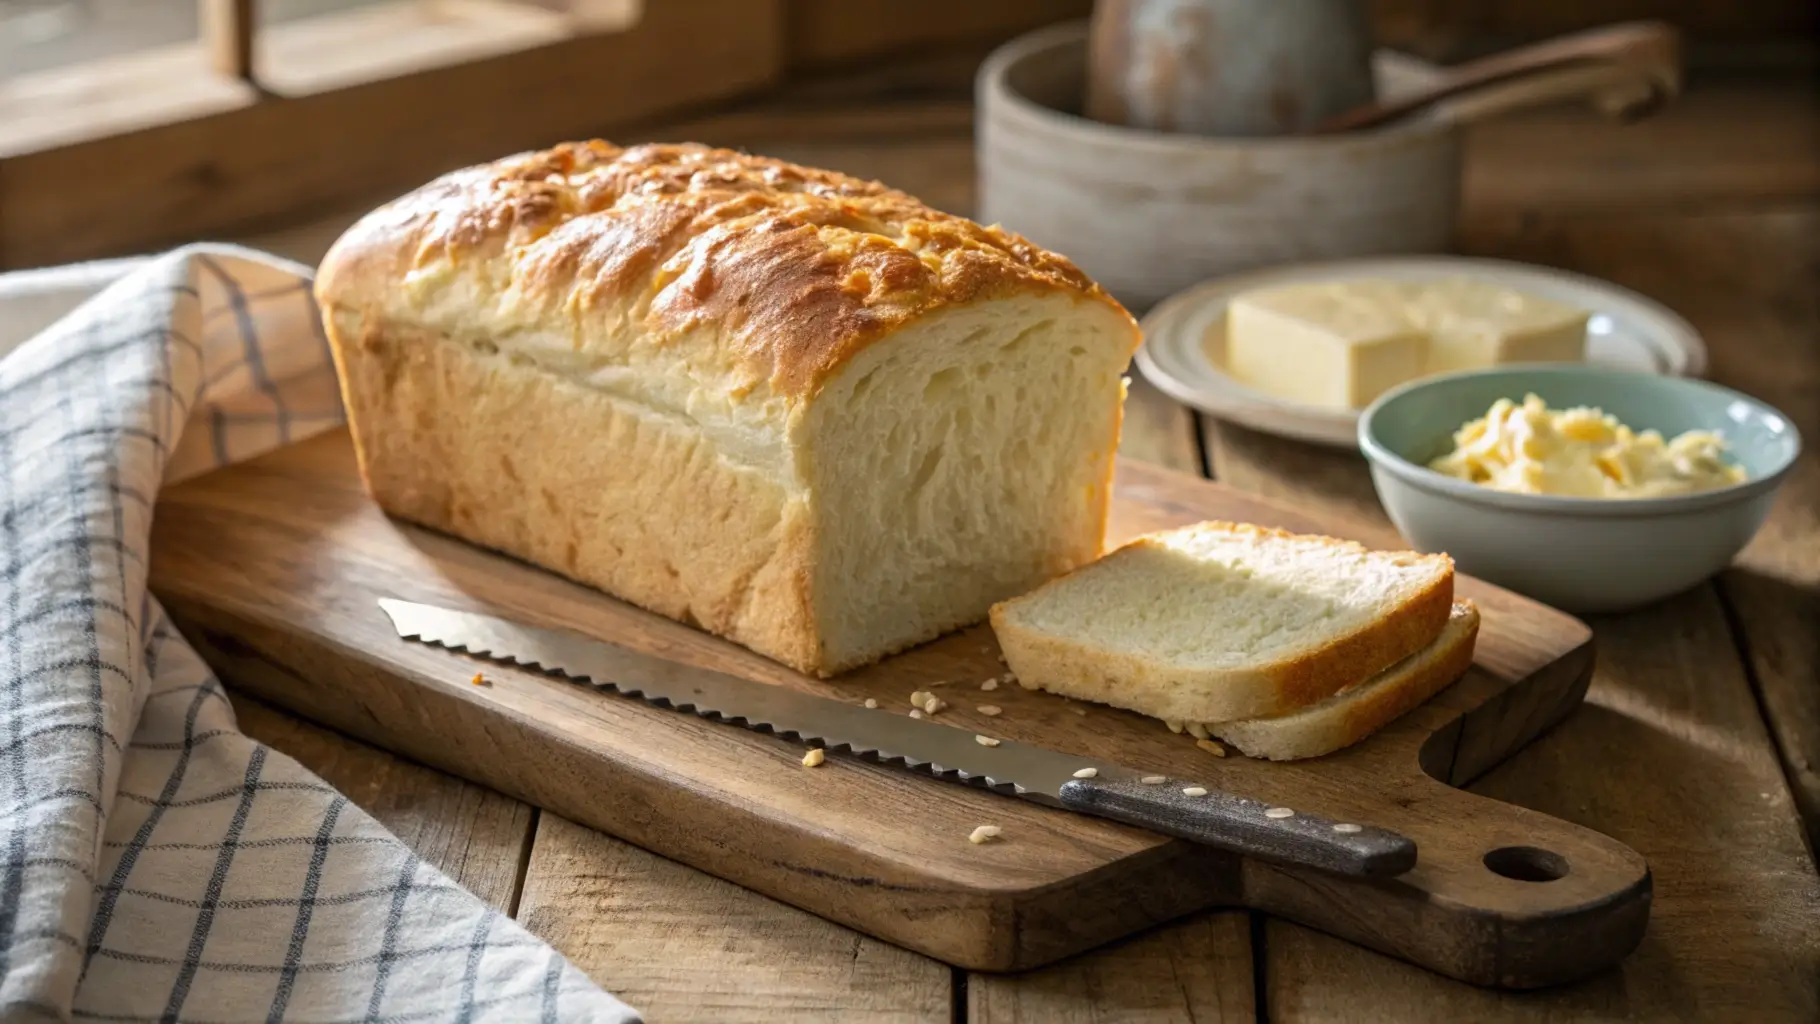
<point>798,268</point>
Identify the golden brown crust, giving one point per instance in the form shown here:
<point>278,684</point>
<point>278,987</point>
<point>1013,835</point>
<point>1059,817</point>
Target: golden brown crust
<point>1152,686</point>
<point>460,442</point>
<point>801,268</point>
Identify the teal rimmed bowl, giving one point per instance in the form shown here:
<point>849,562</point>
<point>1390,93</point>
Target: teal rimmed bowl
<point>1578,554</point>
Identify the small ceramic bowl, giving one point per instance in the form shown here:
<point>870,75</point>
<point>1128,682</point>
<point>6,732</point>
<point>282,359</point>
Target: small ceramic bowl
<point>1578,554</point>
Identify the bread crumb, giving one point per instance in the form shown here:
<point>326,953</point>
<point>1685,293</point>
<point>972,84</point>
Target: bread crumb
<point>814,757</point>
<point>985,741</point>
<point>991,710</point>
<point>1174,726</point>
<point>989,685</point>
<point>1199,731</point>
<point>984,833</point>
<point>916,712</point>
<point>1009,677</point>
<point>1194,791</point>
<point>934,704</point>
<point>871,703</point>
<point>1086,773</point>
<point>1212,747</point>
<point>479,680</point>
<point>920,697</point>
<point>1153,780</point>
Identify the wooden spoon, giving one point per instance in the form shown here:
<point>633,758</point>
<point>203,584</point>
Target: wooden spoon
<point>1630,70</point>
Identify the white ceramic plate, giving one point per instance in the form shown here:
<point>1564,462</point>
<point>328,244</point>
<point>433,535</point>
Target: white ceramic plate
<point>1185,336</point>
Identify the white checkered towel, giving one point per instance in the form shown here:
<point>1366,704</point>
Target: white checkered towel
<point>155,864</point>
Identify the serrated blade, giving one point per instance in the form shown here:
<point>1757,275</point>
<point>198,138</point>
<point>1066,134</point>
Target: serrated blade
<point>919,744</point>
<point>1081,784</point>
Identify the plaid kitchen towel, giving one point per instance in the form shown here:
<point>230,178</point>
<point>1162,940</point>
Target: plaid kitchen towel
<point>155,863</point>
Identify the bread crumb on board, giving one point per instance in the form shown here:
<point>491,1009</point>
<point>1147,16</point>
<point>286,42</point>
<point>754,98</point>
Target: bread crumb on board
<point>814,757</point>
<point>991,710</point>
<point>985,741</point>
<point>919,697</point>
<point>480,680</point>
<point>916,713</point>
<point>989,685</point>
<point>1194,791</point>
<point>934,704</point>
<point>871,702</point>
<point>1212,747</point>
<point>983,834</point>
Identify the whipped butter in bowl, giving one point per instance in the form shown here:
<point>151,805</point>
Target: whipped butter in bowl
<point>1582,452</point>
<point>1588,488</point>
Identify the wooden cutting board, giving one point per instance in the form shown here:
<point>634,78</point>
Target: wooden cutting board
<point>272,568</point>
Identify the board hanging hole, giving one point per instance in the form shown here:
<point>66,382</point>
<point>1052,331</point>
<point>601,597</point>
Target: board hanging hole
<point>1526,863</point>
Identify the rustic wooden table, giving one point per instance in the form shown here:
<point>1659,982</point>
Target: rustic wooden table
<point>1699,744</point>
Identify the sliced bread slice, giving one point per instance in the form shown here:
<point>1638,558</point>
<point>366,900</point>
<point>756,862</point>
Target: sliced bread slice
<point>1353,714</point>
<point>1222,621</point>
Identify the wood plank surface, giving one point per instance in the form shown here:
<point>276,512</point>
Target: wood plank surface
<point>473,834</point>
<point>1671,753</point>
<point>210,175</point>
<point>681,945</point>
<point>1750,281</point>
<point>1749,289</point>
<point>1199,970</point>
<point>273,568</point>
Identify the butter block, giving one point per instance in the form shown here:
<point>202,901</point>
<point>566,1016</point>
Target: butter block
<point>1332,344</point>
<point>1472,324</point>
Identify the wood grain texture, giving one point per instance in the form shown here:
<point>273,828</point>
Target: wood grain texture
<point>1750,282</point>
<point>273,567</point>
<point>1199,970</point>
<point>683,946</point>
<point>211,175</point>
<point>1158,430</point>
<point>824,32</point>
<point>474,835</point>
<point>1684,770</point>
<point>1670,755</point>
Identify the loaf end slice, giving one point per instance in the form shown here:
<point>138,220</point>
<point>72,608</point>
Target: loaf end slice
<point>1224,621</point>
<point>1353,714</point>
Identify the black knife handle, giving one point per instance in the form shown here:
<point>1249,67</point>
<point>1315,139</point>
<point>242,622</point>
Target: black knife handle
<point>1250,827</point>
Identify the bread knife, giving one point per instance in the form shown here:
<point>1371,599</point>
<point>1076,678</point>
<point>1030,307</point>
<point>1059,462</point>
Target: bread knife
<point>1175,807</point>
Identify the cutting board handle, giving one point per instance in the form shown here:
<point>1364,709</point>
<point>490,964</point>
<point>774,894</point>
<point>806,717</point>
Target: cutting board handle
<point>1500,895</point>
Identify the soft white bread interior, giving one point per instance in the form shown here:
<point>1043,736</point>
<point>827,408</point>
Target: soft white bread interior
<point>1353,714</point>
<point>1224,621</point>
<point>800,410</point>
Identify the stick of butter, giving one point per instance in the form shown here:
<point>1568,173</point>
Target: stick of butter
<point>1340,344</point>
<point>1471,324</point>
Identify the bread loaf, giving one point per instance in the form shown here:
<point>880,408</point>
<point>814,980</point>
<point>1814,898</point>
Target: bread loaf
<point>1223,621</point>
<point>800,410</point>
<point>1359,711</point>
